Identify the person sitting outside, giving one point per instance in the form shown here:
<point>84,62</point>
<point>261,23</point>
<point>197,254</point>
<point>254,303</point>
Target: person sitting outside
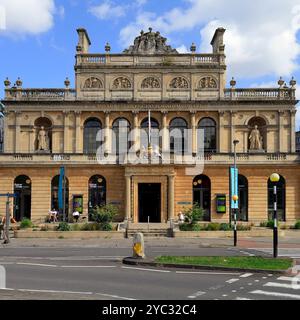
<point>53,215</point>
<point>76,215</point>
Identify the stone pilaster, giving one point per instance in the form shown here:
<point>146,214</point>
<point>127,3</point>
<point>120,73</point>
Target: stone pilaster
<point>280,127</point>
<point>66,132</point>
<point>128,197</point>
<point>171,196</point>
<point>293,132</point>
<point>78,133</point>
<point>136,132</point>
<point>165,133</point>
<point>107,133</point>
<point>18,115</point>
<point>194,132</point>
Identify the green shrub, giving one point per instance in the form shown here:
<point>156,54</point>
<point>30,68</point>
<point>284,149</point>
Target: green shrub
<point>63,226</point>
<point>243,227</point>
<point>297,225</point>
<point>185,227</point>
<point>26,223</point>
<point>267,224</point>
<point>106,227</point>
<point>225,227</point>
<point>75,227</point>
<point>213,227</point>
<point>91,226</point>
<point>105,213</point>
<point>194,214</point>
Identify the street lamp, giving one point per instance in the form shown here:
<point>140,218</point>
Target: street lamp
<point>275,178</point>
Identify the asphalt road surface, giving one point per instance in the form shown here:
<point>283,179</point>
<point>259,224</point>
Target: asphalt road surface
<point>98,273</point>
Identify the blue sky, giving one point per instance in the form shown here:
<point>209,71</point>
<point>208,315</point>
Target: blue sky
<point>38,37</point>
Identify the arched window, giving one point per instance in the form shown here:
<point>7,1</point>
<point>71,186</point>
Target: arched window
<point>43,135</point>
<point>243,198</point>
<point>280,199</point>
<point>178,136</point>
<point>208,135</point>
<point>260,124</point>
<point>97,192</point>
<point>121,143</point>
<point>54,194</point>
<point>22,202</point>
<point>91,129</point>
<point>202,194</point>
<point>154,133</point>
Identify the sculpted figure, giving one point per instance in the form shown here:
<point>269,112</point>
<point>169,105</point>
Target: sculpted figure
<point>255,139</point>
<point>43,140</point>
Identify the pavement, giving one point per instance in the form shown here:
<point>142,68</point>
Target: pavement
<point>92,269</point>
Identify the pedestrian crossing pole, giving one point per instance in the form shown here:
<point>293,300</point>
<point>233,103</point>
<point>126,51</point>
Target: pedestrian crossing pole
<point>275,178</point>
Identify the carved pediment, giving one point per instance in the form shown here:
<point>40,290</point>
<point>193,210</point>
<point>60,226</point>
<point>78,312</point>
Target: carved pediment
<point>150,83</point>
<point>179,83</point>
<point>121,83</point>
<point>207,83</point>
<point>93,83</point>
<point>150,43</point>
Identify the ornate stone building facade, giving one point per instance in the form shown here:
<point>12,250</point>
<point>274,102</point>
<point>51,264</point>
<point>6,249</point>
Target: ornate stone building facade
<point>47,128</point>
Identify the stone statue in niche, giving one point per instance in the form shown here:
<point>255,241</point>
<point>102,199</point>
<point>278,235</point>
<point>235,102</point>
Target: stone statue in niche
<point>256,139</point>
<point>207,82</point>
<point>121,83</point>
<point>43,140</point>
<point>93,83</point>
<point>150,83</point>
<point>179,83</point>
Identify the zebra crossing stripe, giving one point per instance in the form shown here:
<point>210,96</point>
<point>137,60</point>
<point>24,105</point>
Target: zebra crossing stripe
<point>282,285</point>
<point>246,275</point>
<point>276,294</point>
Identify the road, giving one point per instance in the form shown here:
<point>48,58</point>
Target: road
<point>96,272</point>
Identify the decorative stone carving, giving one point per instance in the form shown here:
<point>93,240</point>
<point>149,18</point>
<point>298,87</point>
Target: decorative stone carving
<point>207,83</point>
<point>121,83</point>
<point>150,83</point>
<point>150,43</point>
<point>93,83</point>
<point>179,83</point>
<point>256,139</point>
<point>43,140</point>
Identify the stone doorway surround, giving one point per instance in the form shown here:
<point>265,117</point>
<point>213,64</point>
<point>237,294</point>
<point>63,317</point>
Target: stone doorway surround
<point>150,174</point>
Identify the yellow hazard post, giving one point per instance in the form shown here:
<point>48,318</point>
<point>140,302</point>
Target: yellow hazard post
<point>138,246</point>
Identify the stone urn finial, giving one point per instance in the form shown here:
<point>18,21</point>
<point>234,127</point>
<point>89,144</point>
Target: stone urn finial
<point>19,82</point>
<point>280,82</point>
<point>232,82</point>
<point>7,83</point>
<point>193,47</point>
<point>293,82</point>
<point>67,83</point>
<point>107,47</point>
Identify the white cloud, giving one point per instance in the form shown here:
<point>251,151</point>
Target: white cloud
<point>107,10</point>
<point>28,16</point>
<point>182,49</point>
<point>260,38</point>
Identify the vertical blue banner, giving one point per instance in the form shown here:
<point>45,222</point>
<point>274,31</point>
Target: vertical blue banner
<point>234,188</point>
<point>60,188</point>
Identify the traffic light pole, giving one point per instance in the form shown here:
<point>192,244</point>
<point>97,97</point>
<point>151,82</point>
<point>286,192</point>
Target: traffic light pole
<point>275,227</point>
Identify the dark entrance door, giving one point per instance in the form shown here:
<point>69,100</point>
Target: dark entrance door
<point>149,202</point>
<point>22,202</point>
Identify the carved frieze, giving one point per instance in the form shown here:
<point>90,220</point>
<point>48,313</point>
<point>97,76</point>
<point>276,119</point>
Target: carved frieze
<point>207,83</point>
<point>150,83</point>
<point>121,83</point>
<point>93,83</point>
<point>179,83</point>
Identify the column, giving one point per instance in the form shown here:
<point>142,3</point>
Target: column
<point>232,131</point>
<point>165,133</point>
<point>66,132</point>
<point>280,128</point>
<point>171,196</point>
<point>219,133</point>
<point>128,197</point>
<point>293,131</point>
<point>136,132</point>
<point>17,131</point>
<point>107,133</point>
<point>78,133</point>
<point>32,138</point>
<point>194,132</point>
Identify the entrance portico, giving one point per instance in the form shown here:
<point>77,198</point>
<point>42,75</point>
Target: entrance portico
<point>145,182</point>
